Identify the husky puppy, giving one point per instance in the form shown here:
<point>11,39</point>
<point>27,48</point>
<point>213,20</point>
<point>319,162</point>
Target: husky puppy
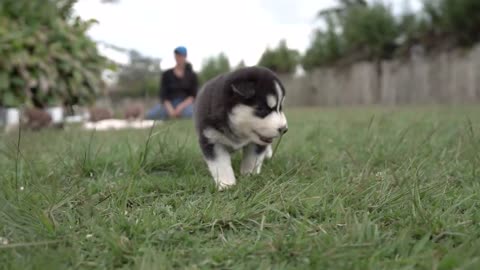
<point>242,109</point>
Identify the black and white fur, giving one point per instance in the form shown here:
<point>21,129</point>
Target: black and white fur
<point>242,109</point>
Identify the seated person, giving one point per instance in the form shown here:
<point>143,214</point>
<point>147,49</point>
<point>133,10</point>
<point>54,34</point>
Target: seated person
<point>177,91</point>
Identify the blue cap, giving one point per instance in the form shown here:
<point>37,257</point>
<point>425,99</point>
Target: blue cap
<point>181,50</point>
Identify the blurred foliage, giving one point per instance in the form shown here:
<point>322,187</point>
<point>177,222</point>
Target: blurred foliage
<point>356,30</point>
<point>457,19</point>
<point>46,57</point>
<point>371,30</point>
<point>280,59</point>
<point>411,26</point>
<point>326,48</point>
<point>139,78</point>
<point>213,66</point>
<point>342,8</point>
<point>240,65</point>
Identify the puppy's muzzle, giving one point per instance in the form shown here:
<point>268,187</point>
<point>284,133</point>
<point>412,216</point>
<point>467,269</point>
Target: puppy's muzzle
<point>283,130</point>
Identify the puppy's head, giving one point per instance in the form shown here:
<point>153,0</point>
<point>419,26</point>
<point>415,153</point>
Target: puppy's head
<point>257,98</point>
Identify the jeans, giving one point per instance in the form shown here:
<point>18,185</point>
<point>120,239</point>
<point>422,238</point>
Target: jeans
<point>160,113</point>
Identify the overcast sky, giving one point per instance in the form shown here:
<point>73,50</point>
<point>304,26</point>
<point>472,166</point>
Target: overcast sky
<point>240,28</point>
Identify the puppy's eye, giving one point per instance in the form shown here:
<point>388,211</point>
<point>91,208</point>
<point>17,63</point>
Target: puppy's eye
<point>262,111</point>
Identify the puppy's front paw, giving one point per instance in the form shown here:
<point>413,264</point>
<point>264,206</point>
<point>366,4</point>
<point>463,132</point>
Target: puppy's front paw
<point>247,168</point>
<point>269,152</point>
<point>221,169</point>
<point>253,156</point>
<point>221,186</point>
<point>250,169</point>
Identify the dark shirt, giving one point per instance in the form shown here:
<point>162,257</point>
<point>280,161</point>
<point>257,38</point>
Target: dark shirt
<point>173,87</point>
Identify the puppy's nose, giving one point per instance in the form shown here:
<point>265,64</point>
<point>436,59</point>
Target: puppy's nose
<point>283,130</point>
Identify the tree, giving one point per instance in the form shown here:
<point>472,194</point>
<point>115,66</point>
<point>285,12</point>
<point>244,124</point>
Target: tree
<point>241,64</point>
<point>458,19</point>
<point>326,48</point>
<point>139,78</point>
<point>342,8</point>
<point>280,59</point>
<point>214,66</point>
<point>355,29</point>
<point>371,30</point>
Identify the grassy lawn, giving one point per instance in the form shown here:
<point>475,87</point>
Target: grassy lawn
<point>359,188</point>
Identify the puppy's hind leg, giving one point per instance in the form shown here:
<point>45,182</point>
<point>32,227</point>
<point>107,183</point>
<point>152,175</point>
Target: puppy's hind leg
<point>253,156</point>
<point>219,164</point>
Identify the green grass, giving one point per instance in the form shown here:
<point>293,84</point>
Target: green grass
<point>361,188</point>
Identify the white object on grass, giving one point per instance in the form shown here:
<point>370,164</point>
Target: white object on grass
<point>117,124</point>
<point>9,116</point>
<point>56,113</point>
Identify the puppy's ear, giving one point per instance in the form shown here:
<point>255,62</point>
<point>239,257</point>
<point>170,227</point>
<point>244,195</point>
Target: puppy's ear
<point>243,89</point>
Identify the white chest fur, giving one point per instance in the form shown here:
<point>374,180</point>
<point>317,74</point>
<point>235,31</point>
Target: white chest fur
<point>216,137</point>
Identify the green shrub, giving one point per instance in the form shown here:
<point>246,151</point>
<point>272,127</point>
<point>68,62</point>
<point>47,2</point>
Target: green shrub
<point>46,56</point>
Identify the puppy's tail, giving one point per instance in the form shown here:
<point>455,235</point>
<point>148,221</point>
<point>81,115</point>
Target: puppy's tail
<point>268,152</point>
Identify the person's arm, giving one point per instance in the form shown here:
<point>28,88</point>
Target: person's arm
<point>163,96</point>
<point>184,104</point>
<point>170,110</point>
<point>191,98</point>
